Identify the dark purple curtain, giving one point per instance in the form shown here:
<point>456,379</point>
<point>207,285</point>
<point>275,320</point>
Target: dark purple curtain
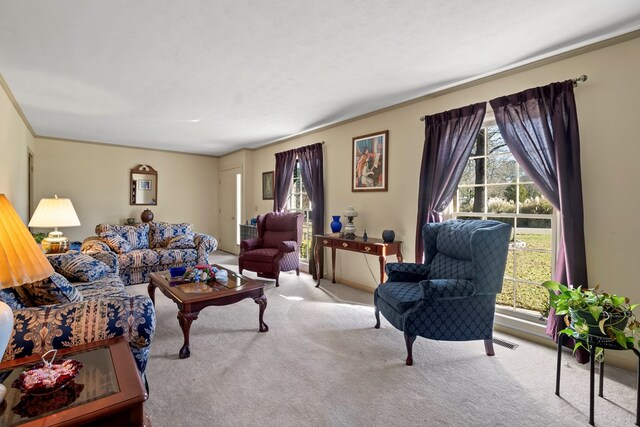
<point>449,138</point>
<point>311,172</point>
<point>540,127</point>
<point>285,163</point>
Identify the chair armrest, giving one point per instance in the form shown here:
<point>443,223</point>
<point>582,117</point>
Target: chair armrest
<point>447,289</point>
<point>288,246</point>
<point>250,244</point>
<point>406,272</point>
<point>39,329</point>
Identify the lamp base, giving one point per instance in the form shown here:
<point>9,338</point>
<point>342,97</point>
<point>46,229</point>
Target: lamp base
<point>6,327</point>
<point>55,243</point>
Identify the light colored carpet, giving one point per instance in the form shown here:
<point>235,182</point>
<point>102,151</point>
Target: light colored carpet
<point>323,364</point>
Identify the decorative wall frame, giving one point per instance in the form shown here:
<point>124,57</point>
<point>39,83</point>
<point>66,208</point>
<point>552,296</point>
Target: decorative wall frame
<point>267,185</point>
<point>370,162</point>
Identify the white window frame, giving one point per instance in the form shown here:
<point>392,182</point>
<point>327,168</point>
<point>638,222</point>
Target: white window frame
<point>306,213</point>
<point>453,213</point>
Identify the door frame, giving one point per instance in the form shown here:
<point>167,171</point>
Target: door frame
<point>242,186</point>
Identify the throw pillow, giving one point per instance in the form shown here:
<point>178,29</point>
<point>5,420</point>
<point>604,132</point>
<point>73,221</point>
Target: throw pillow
<point>116,242</point>
<point>161,232</point>
<point>52,290</point>
<point>78,267</point>
<point>183,241</point>
<point>136,235</point>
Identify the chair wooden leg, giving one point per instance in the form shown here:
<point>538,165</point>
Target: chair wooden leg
<point>297,271</point>
<point>488,347</point>
<point>377,318</point>
<point>409,340</point>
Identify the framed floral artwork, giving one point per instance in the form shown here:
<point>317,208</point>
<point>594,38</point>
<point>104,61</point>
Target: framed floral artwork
<point>370,161</point>
<point>267,185</point>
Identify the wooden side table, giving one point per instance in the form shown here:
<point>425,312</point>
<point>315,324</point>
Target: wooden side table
<point>371,246</point>
<point>591,344</point>
<point>107,391</point>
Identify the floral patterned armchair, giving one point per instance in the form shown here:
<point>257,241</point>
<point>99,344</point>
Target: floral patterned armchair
<point>451,296</point>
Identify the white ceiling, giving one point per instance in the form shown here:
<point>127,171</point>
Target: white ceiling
<point>210,77</point>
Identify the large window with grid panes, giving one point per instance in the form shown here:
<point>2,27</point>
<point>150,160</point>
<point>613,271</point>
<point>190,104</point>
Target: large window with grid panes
<point>298,201</point>
<point>493,186</point>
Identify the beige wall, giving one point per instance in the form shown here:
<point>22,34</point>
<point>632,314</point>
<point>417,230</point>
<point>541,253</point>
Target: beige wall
<point>96,179</point>
<point>15,142</point>
<point>608,104</point>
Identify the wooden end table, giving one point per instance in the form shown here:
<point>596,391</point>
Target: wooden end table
<point>191,297</point>
<point>107,391</point>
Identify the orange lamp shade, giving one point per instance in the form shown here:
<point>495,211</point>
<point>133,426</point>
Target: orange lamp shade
<point>21,259</point>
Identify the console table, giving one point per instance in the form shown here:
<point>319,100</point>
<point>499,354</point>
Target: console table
<point>371,246</point>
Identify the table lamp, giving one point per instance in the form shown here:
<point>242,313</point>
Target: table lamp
<point>56,212</point>
<point>349,228</point>
<point>21,261</point>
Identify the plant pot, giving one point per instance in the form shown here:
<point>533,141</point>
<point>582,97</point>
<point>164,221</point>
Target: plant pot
<point>616,321</point>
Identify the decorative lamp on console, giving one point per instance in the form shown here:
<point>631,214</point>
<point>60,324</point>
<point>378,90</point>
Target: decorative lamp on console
<point>54,213</point>
<point>21,261</point>
<point>349,228</point>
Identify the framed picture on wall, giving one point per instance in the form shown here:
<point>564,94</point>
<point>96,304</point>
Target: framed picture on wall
<point>267,185</point>
<point>369,162</point>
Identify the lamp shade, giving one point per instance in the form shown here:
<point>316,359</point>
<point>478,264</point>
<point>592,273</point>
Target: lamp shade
<point>56,212</point>
<point>21,259</point>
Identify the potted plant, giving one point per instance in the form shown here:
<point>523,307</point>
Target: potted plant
<point>590,312</point>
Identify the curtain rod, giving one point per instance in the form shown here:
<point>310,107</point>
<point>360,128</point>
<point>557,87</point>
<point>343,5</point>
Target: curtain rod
<point>581,79</point>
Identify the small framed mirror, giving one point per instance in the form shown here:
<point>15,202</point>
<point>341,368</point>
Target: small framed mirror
<point>143,186</point>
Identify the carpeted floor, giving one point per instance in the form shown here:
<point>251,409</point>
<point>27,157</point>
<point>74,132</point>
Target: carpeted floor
<point>323,364</point>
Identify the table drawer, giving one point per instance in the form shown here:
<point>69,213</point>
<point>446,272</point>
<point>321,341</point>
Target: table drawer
<point>369,248</point>
<point>353,246</point>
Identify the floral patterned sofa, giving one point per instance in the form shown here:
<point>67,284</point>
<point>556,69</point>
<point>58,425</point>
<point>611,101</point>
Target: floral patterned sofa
<point>147,247</point>
<point>84,301</point>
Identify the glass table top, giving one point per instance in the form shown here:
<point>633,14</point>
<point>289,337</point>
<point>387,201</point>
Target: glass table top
<point>96,380</point>
<point>234,281</point>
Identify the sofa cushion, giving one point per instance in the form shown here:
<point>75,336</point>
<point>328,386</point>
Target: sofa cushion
<point>161,232</point>
<point>117,243</point>
<point>52,290</point>
<point>138,258</point>
<point>400,295</point>
<point>177,256</point>
<point>110,286</point>
<point>78,267</point>
<point>261,255</point>
<point>136,235</point>
<point>183,241</point>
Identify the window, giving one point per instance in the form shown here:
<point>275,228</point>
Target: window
<point>298,201</point>
<point>493,186</point>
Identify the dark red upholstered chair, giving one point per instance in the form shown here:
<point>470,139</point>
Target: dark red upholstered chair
<point>277,247</point>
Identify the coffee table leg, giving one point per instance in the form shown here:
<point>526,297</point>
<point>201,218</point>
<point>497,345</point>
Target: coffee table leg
<point>185,320</point>
<point>262,302</point>
<point>151,289</point>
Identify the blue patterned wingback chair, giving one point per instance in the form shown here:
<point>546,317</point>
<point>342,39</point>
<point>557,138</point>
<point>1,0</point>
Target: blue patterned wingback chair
<point>452,296</point>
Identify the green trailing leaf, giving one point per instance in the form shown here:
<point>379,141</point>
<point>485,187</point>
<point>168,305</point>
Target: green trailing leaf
<point>621,338</point>
<point>617,300</point>
<point>595,311</point>
<point>601,325</point>
<point>578,345</point>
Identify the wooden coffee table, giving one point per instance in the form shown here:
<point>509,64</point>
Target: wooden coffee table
<point>107,391</point>
<point>193,297</point>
